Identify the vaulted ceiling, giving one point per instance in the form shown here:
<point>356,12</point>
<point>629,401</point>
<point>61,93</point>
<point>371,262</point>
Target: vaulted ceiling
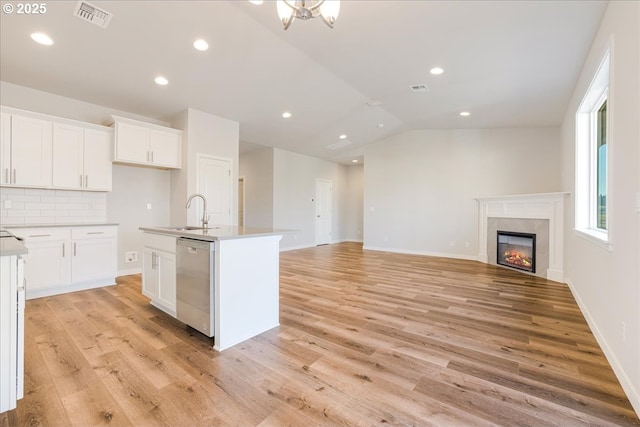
<point>508,63</point>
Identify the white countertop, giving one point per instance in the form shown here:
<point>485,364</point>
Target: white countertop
<point>219,232</point>
<point>61,225</point>
<point>10,245</point>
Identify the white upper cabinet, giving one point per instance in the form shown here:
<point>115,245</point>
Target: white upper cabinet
<point>147,144</point>
<point>42,151</point>
<point>81,158</point>
<point>26,151</point>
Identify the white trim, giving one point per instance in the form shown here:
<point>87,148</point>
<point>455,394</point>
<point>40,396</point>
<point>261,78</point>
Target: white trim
<point>424,253</point>
<point>596,237</point>
<point>130,271</point>
<point>63,289</point>
<point>632,393</point>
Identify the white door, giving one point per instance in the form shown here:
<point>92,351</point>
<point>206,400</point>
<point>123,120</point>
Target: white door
<point>68,168</point>
<point>97,160</point>
<point>5,148</point>
<point>323,211</point>
<point>31,151</point>
<point>214,182</point>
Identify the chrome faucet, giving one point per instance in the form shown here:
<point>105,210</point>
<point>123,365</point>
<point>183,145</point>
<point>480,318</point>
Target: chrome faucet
<point>205,221</point>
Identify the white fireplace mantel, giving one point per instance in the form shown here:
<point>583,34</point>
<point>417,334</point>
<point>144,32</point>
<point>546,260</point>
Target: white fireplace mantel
<point>549,206</point>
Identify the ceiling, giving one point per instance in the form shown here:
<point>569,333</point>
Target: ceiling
<point>509,63</point>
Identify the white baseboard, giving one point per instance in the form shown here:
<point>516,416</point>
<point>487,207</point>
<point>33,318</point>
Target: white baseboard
<point>627,385</point>
<point>72,287</point>
<point>293,248</point>
<point>425,253</point>
<point>129,271</point>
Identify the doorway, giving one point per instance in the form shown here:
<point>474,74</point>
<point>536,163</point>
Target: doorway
<point>324,212</point>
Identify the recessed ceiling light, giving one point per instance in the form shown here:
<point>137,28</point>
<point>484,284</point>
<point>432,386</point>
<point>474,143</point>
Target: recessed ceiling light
<point>42,39</point>
<point>354,161</point>
<point>286,114</point>
<point>161,81</point>
<point>201,45</point>
<point>258,2</point>
<point>465,113</point>
<point>343,136</point>
<point>436,71</point>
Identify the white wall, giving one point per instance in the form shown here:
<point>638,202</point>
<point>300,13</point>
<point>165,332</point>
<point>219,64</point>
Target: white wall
<point>607,283</point>
<point>203,134</point>
<point>257,169</point>
<point>419,186</point>
<point>294,192</point>
<point>133,187</point>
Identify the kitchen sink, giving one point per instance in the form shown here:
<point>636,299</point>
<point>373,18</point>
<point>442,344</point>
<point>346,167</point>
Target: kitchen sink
<point>189,228</point>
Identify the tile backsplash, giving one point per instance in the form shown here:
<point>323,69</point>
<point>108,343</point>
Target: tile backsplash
<point>24,206</point>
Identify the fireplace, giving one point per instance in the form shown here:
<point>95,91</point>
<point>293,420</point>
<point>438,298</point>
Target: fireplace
<point>517,250</point>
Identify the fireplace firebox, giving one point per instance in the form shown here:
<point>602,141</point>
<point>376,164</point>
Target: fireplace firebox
<point>517,250</point>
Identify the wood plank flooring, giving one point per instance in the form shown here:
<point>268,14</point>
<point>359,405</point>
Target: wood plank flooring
<point>366,338</point>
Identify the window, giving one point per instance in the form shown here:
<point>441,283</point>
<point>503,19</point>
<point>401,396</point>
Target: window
<point>592,158</point>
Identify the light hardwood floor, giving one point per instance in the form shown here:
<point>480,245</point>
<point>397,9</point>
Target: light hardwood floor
<point>366,338</point>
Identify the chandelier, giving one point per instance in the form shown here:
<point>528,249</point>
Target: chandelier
<point>289,10</point>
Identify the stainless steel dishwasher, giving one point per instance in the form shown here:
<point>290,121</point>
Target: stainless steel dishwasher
<point>195,278</point>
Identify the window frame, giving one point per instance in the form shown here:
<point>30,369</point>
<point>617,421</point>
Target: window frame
<point>586,158</point>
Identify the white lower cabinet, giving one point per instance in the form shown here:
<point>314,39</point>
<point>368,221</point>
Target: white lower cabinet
<point>159,271</point>
<point>67,259</point>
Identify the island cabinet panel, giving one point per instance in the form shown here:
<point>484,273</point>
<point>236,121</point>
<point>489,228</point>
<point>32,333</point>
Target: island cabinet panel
<point>246,299</point>
<point>159,271</point>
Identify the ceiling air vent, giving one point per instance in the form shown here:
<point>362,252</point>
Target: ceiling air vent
<point>340,144</point>
<point>90,13</point>
<point>419,88</point>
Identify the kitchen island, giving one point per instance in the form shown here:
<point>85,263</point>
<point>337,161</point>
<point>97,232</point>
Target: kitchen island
<point>245,281</point>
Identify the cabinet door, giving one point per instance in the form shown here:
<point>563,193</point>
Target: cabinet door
<point>5,148</point>
<point>167,282</point>
<point>165,148</point>
<point>132,143</point>
<point>97,160</point>
<point>67,156</point>
<point>93,259</point>
<point>150,274</point>
<point>30,152</point>
<point>48,264</point>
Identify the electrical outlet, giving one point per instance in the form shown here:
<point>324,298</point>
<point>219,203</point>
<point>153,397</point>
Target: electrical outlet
<point>149,206</point>
<point>130,257</point>
<point>7,204</point>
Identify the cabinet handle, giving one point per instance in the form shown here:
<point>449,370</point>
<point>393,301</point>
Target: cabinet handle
<point>95,232</point>
<point>63,251</point>
<point>40,235</point>
<point>14,176</point>
<point>152,157</point>
<point>74,248</point>
<point>86,181</point>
